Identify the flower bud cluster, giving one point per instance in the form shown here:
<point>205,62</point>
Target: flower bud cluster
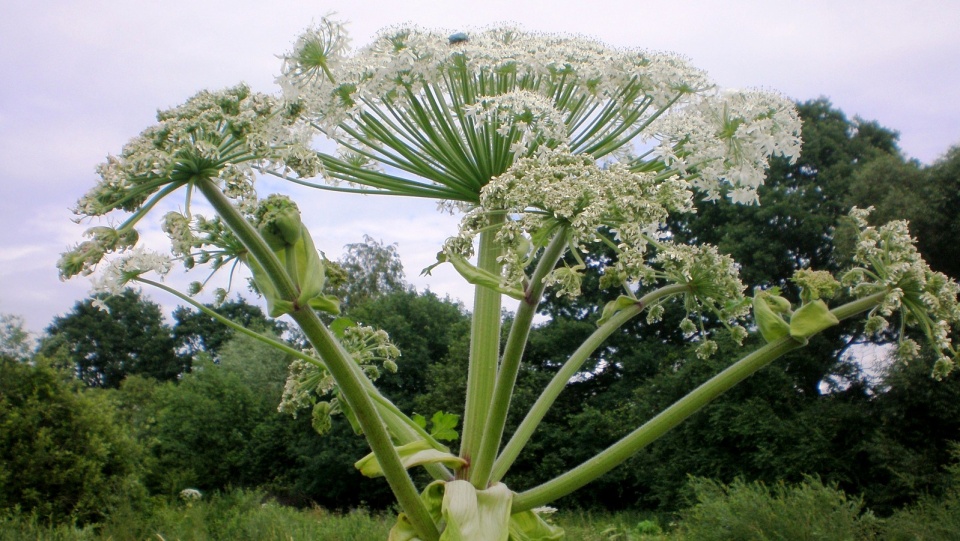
<point>84,257</point>
<point>559,190</point>
<point>889,262</point>
<point>309,385</point>
<point>214,135</point>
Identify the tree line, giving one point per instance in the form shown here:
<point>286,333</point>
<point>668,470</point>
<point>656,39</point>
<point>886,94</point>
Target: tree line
<point>119,406</point>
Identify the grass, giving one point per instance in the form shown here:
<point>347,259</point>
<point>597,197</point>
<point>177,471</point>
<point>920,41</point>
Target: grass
<point>736,512</point>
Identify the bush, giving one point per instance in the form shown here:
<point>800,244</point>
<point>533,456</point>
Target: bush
<point>63,456</point>
<point>930,518</point>
<point>242,514</point>
<point>751,511</point>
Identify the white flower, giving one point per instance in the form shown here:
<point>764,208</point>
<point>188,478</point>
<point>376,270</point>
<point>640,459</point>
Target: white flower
<point>190,494</point>
<point>127,267</point>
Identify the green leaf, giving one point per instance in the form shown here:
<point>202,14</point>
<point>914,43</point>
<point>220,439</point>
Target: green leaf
<point>528,526</point>
<point>320,417</point>
<point>416,453</point>
<point>326,303</point>
<point>311,274</point>
<point>810,319</point>
<point>341,324</point>
<point>771,324</point>
<point>403,530</point>
<point>276,306</point>
<point>443,426</point>
<point>481,277</point>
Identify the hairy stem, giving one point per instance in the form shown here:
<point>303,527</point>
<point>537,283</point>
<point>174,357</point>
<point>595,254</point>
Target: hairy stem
<point>569,369</point>
<point>510,363</point>
<point>484,351</point>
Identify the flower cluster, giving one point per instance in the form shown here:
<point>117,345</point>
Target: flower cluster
<point>83,258</point>
<point>725,143</point>
<point>570,194</point>
<point>214,135</point>
<point>459,112</point>
<point>219,136</point>
<point>889,263</point>
<point>525,119</point>
<point>130,266</point>
<point>308,381</point>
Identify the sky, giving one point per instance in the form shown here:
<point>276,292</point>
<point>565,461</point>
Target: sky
<point>79,79</point>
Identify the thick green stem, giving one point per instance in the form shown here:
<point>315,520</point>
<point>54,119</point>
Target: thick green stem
<point>482,463</point>
<point>484,351</point>
<point>569,369</point>
<point>674,415</point>
<point>338,361</point>
<point>352,388</point>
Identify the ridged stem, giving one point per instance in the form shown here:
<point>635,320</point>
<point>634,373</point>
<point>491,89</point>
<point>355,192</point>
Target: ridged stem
<point>510,363</point>
<point>484,351</point>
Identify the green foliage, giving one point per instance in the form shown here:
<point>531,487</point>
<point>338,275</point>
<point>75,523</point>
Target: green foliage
<point>425,328</point>
<point>15,341</point>
<point>370,269</point>
<point>930,518</point>
<point>202,429</point>
<point>926,196</point>
<point>443,426</point>
<point>752,511</point>
<point>229,516</point>
<point>917,421</point>
<point>106,346</point>
<point>195,331</point>
<point>64,456</point>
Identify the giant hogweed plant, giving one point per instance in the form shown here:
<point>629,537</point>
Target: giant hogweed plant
<point>549,147</point>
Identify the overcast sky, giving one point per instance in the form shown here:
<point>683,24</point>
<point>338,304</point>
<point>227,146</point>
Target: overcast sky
<point>80,78</point>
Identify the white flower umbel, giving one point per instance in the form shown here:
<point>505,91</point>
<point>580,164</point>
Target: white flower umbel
<point>723,141</point>
<point>219,136</point>
<point>459,112</point>
<point>558,192</point>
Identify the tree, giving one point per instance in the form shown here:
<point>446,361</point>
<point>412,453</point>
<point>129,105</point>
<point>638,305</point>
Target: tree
<point>202,430</point>
<point>927,197</point>
<point>15,341</point>
<point>424,328</point>
<point>105,346</point>
<point>195,331</point>
<point>370,269</point>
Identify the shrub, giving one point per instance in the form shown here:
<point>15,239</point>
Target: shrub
<point>752,511</point>
<point>63,456</point>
